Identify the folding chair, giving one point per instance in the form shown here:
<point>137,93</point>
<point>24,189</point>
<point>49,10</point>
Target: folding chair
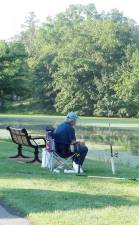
<point>58,162</point>
<point>52,160</point>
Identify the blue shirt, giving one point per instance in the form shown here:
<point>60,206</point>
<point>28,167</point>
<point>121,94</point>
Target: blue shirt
<point>64,134</point>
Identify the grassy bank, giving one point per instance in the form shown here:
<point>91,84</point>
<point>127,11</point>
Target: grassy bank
<point>64,199</point>
<point>131,123</point>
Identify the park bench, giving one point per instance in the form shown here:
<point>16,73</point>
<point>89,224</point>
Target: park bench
<point>22,138</point>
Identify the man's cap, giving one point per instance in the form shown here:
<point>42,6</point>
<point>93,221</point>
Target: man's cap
<point>72,116</point>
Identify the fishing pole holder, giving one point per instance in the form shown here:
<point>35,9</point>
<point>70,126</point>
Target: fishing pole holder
<point>116,155</point>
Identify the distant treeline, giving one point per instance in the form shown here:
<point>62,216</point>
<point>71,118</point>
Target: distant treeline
<point>79,60</point>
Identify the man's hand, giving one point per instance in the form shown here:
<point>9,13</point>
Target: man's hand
<point>78,142</point>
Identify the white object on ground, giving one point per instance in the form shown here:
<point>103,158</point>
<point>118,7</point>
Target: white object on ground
<point>69,171</point>
<point>76,167</point>
<point>56,171</point>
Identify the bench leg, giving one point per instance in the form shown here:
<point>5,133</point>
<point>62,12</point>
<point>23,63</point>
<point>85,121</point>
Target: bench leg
<point>36,156</point>
<point>19,154</point>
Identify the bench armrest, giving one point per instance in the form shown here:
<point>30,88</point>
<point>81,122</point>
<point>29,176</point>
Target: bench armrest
<point>40,141</point>
<point>38,137</point>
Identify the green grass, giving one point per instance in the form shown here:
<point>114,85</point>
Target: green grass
<point>127,123</point>
<point>62,116</point>
<point>64,199</point>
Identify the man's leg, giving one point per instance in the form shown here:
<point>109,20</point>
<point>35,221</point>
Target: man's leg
<point>81,151</point>
<point>63,151</point>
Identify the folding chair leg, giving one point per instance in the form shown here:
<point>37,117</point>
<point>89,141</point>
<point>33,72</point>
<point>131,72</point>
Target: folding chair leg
<point>51,162</point>
<point>62,162</point>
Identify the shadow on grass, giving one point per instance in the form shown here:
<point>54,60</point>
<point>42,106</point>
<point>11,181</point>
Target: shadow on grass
<point>35,201</point>
<point>10,168</point>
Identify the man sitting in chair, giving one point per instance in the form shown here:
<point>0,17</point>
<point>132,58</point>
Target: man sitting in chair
<point>65,139</point>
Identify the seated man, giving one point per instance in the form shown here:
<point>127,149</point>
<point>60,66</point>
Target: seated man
<point>64,137</point>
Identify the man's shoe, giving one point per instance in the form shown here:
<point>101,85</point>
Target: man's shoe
<point>69,171</point>
<point>81,170</point>
<point>76,168</point>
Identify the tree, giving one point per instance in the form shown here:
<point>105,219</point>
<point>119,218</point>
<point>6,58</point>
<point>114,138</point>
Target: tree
<point>29,33</point>
<point>127,86</point>
<point>13,71</point>
<point>90,53</point>
<point>43,82</point>
<point>78,59</point>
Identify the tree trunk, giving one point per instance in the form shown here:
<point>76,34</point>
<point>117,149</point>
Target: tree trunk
<point>1,103</point>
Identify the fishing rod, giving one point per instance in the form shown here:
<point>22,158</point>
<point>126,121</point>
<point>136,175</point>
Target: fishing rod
<point>113,155</point>
<point>110,178</point>
<point>111,147</point>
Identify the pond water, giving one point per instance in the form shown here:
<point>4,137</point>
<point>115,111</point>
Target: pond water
<point>98,134</point>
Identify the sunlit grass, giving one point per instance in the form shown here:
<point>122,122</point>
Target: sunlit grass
<point>82,121</point>
<point>64,199</point>
<point>63,116</point>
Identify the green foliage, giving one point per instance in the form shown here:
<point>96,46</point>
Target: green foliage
<point>79,60</point>
<point>13,71</point>
<point>43,81</point>
<point>91,54</point>
<point>29,32</point>
<point>128,83</point>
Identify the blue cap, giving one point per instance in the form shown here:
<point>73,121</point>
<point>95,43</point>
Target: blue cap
<point>72,116</point>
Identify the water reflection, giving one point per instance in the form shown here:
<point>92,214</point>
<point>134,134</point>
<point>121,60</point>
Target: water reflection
<point>123,140</point>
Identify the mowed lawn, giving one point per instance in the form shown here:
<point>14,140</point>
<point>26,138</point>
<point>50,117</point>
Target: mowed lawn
<point>65,199</point>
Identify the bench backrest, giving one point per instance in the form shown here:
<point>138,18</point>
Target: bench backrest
<point>19,136</point>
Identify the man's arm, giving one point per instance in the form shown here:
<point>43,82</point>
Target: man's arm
<point>73,138</point>
<point>77,142</point>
